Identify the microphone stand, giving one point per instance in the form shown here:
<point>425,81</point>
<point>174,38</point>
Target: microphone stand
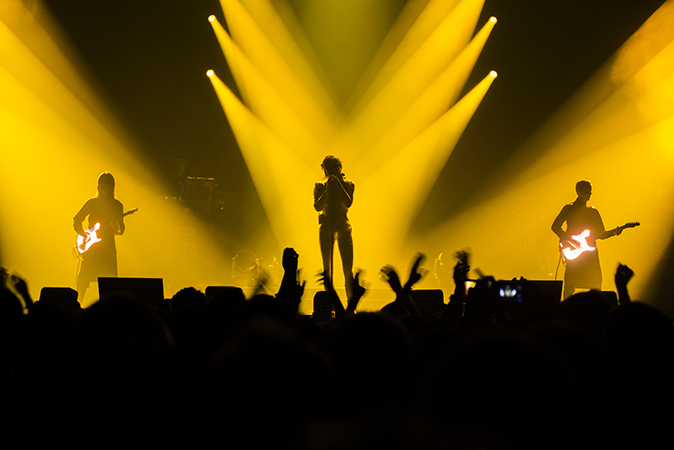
<point>332,230</point>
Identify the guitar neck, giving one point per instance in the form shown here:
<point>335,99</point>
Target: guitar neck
<point>608,233</point>
<point>616,230</point>
<point>129,212</point>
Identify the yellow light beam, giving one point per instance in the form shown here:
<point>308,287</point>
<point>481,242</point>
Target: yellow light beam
<point>267,104</point>
<point>278,20</point>
<point>426,108</point>
<point>399,186</point>
<point>409,71</point>
<point>615,131</point>
<point>414,24</point>
<point>648,52</point>
<point>274,51</point>
<point>379,223</point>
<point>56,137</point>
<point>280,177</point>
<point>510,234</point>
<point>60,111</point>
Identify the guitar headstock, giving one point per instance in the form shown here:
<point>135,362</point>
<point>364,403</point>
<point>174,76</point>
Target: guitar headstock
<point>631,225</point>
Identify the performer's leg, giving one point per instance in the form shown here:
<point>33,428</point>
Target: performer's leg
<point>569,288</point>
<point>81,291</point>
<point>327,244</point>
<point>595,280</point>
<point>570,278</point>
<point>583,273</point>
<point>81,287</point>
<point>345,243</point>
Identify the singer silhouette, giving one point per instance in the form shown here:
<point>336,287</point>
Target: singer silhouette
<point>332,198</point>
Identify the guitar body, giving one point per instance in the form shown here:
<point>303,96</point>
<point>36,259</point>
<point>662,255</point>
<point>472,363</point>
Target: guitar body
<point>90,238</point>
<point>572,249</point>
<point>84,243</point>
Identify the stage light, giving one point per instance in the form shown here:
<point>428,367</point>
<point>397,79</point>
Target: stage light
<point>279,91</point>
<point>211,18</point>
<point>415,63</point>
<point>210,73</point>
<point>421,161</point>
<point>616,131</point>
<point>52,123</point>
<point>493,73</point>
<point>285,124</point>
<point>389,122</point>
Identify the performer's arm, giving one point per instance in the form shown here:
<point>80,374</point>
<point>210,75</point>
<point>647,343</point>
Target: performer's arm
<point>320,196</point>
<point>323,191</point>
<point>601,230</point>
<point>343,192</point>
<point>79,218</point>
<point>559,221</point>
<point>119,227</point>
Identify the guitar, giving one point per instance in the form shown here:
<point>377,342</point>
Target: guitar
<point>90,237</point>
<point>571,250</point>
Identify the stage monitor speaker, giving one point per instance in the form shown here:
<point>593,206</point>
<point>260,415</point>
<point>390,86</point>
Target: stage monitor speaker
<point>428,301</point>
<point>213,291</point>
<point>610,297</point>
<point>62,296</point>
<point>149,290</point>
<point>551,288</point>
<point>322,307</point>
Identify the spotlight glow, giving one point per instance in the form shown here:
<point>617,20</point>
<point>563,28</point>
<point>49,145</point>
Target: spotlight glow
<point>616,130</point>
<point>285,123</point>
<point>52,123</point>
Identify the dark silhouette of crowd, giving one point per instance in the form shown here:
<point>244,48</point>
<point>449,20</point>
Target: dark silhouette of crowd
<point>219,370</point>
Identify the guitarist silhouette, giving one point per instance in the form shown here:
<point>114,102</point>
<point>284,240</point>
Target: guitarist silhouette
<point>101,259</point>
<point>583,271</point>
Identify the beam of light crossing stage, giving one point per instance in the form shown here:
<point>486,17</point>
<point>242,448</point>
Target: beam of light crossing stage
<point>56,137</point>
<point>299,132</point>
<point>391,127</point>
<point>279,175</point>
<point>635,104</point>
<point>615,131</point>
<point>275,52</point>
<point>277,20</point>
<point>414,24</point>
<point>409,71</point>
<point>415,169</point>
<point>431,88</point>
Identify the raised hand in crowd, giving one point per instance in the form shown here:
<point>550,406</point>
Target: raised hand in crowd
<point>623,275</point>
<point>14,282</point>
<point>454,308</point>
<point>357,293</point>
<point>461,270</point>
<point>22,288</point>
<point>416,272</point>
<point>337,306</point>
<point>261,283</point>
<point>389,274</point>
<point>291,289</point>
<point>402,305</point>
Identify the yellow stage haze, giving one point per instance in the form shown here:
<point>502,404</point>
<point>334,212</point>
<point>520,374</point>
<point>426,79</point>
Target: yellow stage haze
<point>617,132</point>
<point>56,137</point>
<point>409,119</point>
